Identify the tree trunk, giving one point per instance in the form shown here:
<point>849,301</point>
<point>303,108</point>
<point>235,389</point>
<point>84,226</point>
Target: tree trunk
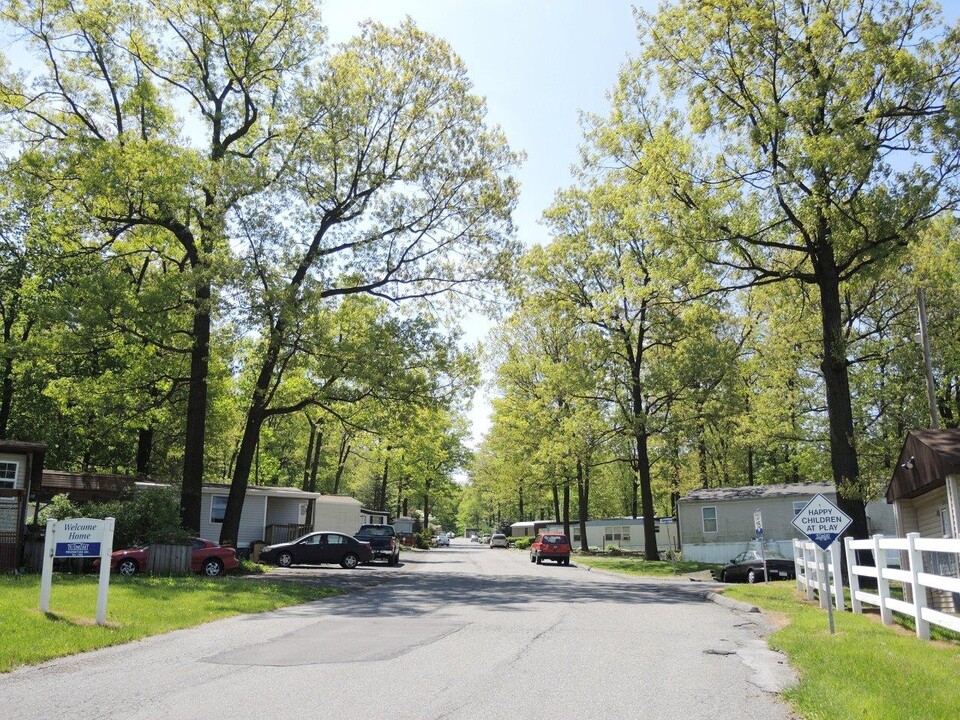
<point>6,397</point>
<point>556,502</point>
<point>144,451</point>
<point>520,500</point>
<point>342,456</point>
<point>835,368</point>
<point>566,509</point>
<point>383,483</point>
<point>646,496</point>
<point>583,503</point>
<point>195,435</point>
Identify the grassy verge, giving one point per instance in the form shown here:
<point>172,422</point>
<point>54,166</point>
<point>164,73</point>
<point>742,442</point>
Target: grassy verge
<point>137,607</point>
<point>866,670</point>
<point>634,565</point>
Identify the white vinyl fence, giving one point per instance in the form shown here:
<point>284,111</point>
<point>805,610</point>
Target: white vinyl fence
<point>817,577</point>
<point>916,581</point>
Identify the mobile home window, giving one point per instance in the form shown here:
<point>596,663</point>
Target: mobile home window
<point>218,507</point>
<point>709,515</point>
<point>576,536</point>
<point>798,505</point>
<point>8,474</point>
<point>626,533</point>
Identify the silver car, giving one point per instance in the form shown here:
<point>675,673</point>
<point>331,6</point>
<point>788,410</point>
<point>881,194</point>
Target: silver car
<point>498,540</point>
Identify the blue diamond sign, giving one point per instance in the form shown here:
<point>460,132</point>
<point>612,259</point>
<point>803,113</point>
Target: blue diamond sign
<point>821,521</point>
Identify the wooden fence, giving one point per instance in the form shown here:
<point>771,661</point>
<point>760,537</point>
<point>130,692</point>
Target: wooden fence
<point>277,534</point>
<point>169,559</point>
<point>920,587</point>
<point>817,577</point>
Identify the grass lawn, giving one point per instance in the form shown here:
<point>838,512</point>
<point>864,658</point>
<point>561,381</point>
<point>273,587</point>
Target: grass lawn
<point>866,670</point>
<point>137,607</point>
<point>635,565</point>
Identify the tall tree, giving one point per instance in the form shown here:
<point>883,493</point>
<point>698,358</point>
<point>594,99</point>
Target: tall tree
<point>831,145</point>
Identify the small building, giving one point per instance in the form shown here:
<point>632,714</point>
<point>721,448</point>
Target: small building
<point>622,533</point>
<point>276,514</point>
<point>718,523</point>
<point>21,472</point>
<point>374,517</point>
<point>527,528</point>
<point>925,498</point>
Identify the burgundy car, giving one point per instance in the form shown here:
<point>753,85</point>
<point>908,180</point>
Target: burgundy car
<point>550,546</point>
<point>208,558</point>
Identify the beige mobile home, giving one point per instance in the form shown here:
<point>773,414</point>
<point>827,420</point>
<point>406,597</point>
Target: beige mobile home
<point>718,523</point>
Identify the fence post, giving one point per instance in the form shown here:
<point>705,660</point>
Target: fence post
<point>810,549</point>
<point>797,562</point>
<point>919,592</point>
<point>823,577</point>
<point>852,577</point>
<point>837,565</point>
<point>883,585</point>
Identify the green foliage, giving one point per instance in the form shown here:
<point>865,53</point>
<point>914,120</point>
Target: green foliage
<point>523,543</point>
<point>147,516</point>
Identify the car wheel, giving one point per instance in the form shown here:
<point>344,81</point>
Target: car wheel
<point>539,559</point>
<point>350,561</point>
<point>128,567</point>
<point>722,577</point>
<point>212,567</point>
<point>532,558</point>
<point>753,576</point>
<point>285,559</point>
<point>566,561</point>
<point>392,560</point>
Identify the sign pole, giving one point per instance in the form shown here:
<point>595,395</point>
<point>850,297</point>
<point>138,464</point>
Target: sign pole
<point>758,526</point>
<point>46,575</point>
<point>106,549</point>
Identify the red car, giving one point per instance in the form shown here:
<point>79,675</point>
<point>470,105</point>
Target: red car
<point>208,558</point>
<point>550,546</point>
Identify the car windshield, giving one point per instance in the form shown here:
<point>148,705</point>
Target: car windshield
<point>555,539</point>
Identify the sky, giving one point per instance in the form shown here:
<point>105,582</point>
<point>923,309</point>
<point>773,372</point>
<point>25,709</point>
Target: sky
<point>538,63</point>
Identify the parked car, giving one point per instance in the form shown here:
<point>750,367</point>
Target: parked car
<point>485,538</point>
<point>207,558</point>
<point>383,541</point>
<point>441,540</point>
<point>748,567</point>
<point>318,548</point>
<point>474,539</point>
<point>550,546</point>
<point>498,540</point>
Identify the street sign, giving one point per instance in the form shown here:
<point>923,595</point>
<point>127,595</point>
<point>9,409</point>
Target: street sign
<point>821,521</point>
<point>758,523</point>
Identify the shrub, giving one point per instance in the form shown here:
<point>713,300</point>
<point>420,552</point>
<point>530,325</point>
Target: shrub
<point>146,516</point>
<point>523,543</point>
<point>614,550</point>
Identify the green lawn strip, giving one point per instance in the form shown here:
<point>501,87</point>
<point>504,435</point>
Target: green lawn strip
<point>638,566</point>
<point>866,670</point>
<point>137,607</point>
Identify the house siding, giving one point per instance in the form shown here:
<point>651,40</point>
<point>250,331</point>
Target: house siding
<point>338,514</point>
<point>667,538</point>
<point>251,518</point>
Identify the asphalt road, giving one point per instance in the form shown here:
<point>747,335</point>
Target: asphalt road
<point>464,633</point>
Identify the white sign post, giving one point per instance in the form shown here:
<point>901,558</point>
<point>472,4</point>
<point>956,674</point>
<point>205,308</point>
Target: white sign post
<point>79,537</point>
<point>758,527</point>
<point>823,522</point>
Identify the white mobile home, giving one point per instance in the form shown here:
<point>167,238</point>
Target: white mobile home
<point>718,523</point>
<point>277,514</point>
<point>623,533</point>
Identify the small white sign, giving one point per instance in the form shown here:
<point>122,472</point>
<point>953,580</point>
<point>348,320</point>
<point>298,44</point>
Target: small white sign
<point>821,521</point>
<point>79,537</point>
<point>758,522</point>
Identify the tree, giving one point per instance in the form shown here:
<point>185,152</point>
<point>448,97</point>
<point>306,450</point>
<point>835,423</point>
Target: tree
<point>406,192</point>
<point>101,124</point>
<point>831,128</point>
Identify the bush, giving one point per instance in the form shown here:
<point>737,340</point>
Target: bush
<point>614,550</point>
<point>149,515</point>
<point>423,540</point>
<point>523,543</point>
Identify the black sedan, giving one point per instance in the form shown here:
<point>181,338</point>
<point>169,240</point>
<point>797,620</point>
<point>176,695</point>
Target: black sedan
<point>748,566</point>
<point>317,548</point>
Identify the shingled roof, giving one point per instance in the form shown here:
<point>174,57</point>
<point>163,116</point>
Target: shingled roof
<point>753,492</point>
<point>927,457</point>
